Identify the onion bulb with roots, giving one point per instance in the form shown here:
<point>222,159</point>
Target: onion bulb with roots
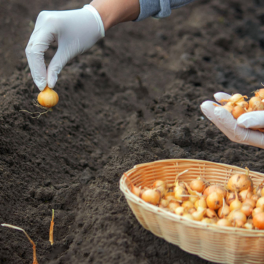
<point>236,204</point>
<point>215,188</point>
<point>224,222</point>
<point>151,196</point>
<point>240,182</point>
<point>238,111</point>
<point>258,220</point>
<point>224,210</point>
<point>48,97</point>
<point>214,201</point>
<point>197,185</point>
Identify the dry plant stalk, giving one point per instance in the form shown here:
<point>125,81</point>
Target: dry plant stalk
<point>30,240</point>
<point>51,228</point>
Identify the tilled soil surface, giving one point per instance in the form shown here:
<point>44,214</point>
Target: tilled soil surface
<point>133,98</point>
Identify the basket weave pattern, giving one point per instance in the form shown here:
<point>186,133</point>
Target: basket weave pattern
<point>211,242</point>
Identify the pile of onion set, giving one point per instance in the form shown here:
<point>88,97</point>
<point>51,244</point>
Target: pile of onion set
<point>238,204</point>
<point>237,105</point>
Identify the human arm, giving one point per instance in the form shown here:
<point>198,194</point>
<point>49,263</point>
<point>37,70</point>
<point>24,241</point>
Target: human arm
<point>239,130</point>
<point>78,30</point>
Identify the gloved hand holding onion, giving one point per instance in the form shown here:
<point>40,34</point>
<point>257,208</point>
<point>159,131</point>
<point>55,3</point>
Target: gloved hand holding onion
<point>237,105</point>
<point>239,204</point>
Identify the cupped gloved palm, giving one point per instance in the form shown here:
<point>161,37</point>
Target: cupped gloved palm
<point>240,130</point>
<point>75,31</point>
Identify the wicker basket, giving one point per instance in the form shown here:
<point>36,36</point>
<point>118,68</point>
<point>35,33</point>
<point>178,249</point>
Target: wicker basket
<point>211,242</point>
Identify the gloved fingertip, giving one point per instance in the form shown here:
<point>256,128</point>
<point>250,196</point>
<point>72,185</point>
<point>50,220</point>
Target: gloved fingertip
<point>220,95</point>
<point>52,79</point>
<point>41,84</point>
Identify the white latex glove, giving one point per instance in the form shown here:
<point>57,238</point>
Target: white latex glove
<point>236,130</point>
<point>75,31</point>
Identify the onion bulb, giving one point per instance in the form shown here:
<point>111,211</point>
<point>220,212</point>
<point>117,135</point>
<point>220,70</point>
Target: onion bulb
<point>200,203</point>
<point>260,202</point>
<point>187,204</point>
<point>246,209</point>
<point>250,202</point>
<point>224,222</point>
<point>198,215</point>
<point>180,193</point>
<point>260,93</point>
<point>255,197</point>
<point>151,196</point>
<point>135,190</point>
<point>245,194</point>
<point>179,210</point>
<point>189,216</point>
<point>173,205</point>
<point>214,188</point>
<point>197,185</point>
<point>48,97</point>
<point>236,204</point>
<point>230,197</point>
<point>237,215</point>
<point>257,210</point>
<point>214,200</point>
<point>224,210</point>
<point>210,213</point>
<point>258,220</point>
<point>255,103</point>
<point>163,203</point>
<point>248,226</point>
<point>237,111</point>
<point>239,182</point>
<point>207,220</point>
<point>243,104</point>
<point>262,192</point>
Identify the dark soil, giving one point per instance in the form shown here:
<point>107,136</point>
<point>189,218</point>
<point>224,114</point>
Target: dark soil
<point>133,98</point>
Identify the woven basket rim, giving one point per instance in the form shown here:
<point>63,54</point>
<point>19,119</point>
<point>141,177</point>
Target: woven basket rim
<point>171,216</point>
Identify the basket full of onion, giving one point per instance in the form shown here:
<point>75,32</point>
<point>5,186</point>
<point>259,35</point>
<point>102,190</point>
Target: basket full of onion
<point>213,210</point>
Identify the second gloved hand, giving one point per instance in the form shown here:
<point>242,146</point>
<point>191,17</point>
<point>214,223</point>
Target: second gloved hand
<point>236,130</point>
<point>75,31</point>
